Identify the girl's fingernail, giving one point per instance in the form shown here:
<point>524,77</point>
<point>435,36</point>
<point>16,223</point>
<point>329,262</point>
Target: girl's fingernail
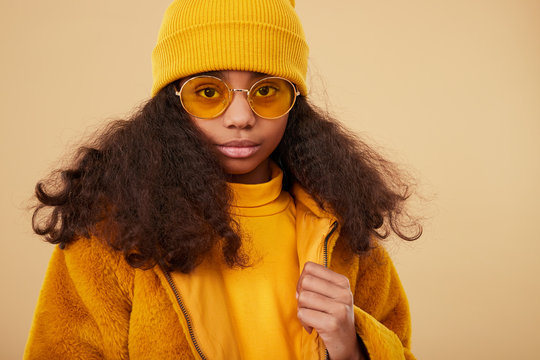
<point>297,295</point>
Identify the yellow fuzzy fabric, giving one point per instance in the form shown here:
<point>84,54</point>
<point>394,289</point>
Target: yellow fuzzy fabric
<point>93,305</point>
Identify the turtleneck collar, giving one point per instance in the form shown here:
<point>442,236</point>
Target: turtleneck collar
<point>260,199</point>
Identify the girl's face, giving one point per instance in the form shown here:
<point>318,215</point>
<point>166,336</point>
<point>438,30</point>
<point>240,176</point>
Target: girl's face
<point>243,140</point>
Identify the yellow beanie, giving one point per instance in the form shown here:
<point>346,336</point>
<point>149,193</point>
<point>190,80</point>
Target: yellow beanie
<point>252,35</point>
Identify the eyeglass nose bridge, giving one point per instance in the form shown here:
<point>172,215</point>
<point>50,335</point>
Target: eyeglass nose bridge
<point>243,90</point>
<point>232,91</point>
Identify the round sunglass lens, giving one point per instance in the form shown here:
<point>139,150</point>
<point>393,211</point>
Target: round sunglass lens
<point>204,96</point>
<point>272,97</point>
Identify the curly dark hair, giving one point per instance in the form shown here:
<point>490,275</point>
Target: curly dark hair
<point>152,187</point>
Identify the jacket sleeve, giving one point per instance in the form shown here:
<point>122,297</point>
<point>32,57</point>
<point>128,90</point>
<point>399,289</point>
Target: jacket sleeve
<point>381,308</point>
<point>84,305</point>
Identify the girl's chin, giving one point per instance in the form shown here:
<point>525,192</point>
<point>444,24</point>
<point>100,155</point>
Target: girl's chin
<point>246,171</point>
<point>239,169</point>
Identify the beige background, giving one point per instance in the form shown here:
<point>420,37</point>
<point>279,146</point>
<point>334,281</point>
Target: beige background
<point>450,89</point>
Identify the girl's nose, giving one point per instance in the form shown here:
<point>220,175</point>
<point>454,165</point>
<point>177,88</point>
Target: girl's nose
<point>239,113</point>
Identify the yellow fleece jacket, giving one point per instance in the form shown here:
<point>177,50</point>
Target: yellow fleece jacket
<point>93,305</point>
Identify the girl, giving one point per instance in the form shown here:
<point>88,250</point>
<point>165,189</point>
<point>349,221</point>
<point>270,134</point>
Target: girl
<point>228,218</point>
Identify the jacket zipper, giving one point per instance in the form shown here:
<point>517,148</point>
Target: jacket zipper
<point>325,260</point>
<point>325,254</point>
<point>186,315</point>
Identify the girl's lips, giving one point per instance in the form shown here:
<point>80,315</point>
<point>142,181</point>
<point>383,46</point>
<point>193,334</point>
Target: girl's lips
<point>238,152</point>
<point>238,149</point>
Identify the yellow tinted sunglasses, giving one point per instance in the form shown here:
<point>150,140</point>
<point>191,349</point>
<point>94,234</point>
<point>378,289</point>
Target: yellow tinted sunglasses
<point>207,96</point>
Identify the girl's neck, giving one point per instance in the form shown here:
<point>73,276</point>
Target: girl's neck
<point>261,174</point>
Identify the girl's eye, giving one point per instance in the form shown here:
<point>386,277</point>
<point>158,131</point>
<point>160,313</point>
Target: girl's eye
<point>208,93</point>
<point>266,91</point>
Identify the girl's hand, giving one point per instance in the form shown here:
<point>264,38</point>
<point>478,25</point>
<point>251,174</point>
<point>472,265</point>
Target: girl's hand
<point>325,303</point>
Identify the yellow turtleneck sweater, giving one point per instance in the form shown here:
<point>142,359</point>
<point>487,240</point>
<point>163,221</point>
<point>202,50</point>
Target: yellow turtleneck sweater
<point>262,298</point>
<point>251,312</point>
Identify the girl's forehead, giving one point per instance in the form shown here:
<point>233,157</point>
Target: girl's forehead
<point>231,77</point>
<point>229,74</point>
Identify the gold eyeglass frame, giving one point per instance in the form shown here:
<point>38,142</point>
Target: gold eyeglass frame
<point>231,91</point>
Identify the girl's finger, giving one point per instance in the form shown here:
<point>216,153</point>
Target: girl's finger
<point>309,282</point>
<point>326,274</point>
<point>315,319</point>
<point>308,328</point>
<point>315,301</point>
<point>312,301</point>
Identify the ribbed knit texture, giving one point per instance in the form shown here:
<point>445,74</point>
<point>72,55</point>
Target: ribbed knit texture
<point>252,35</point>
